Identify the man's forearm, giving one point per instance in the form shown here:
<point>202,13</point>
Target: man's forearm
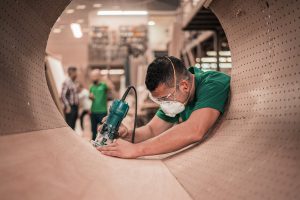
<point>142,133</point>
<point>171,140</point>
<point>65,100</point>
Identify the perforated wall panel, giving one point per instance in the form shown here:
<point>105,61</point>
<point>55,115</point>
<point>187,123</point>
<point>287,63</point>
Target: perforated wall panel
<point>25,103</point>
<point>254,153</point>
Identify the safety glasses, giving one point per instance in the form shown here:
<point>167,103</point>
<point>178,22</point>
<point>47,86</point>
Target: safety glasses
<point>160,100</point>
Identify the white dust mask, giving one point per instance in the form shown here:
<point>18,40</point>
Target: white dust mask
<point>172,108</point>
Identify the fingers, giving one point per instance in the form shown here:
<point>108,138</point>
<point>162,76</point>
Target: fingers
<point>99,127</point>
<point>110,153</point>
<point>123,131</point>
<point>116,149</point>
<point>107,148</point>
<point>110,147</point>
<point>104,119</point>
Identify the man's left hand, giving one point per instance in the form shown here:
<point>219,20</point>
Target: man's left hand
<point>120,148</point>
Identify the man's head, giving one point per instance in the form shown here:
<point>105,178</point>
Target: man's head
<point>161,78</point>
<point>95,76</point>
<point>72,72</point>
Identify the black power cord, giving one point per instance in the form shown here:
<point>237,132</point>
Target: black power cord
<point>135,115</point>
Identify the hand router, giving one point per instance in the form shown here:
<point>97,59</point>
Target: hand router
<point>117,112</point>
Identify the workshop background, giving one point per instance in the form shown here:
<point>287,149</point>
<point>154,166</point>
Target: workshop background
<point>122,45</point>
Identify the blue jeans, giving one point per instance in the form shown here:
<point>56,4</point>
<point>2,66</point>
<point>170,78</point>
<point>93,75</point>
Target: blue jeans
<point>96,119</point>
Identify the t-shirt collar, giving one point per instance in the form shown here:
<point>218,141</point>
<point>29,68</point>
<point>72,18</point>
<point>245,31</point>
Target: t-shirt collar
<point>196,72</point>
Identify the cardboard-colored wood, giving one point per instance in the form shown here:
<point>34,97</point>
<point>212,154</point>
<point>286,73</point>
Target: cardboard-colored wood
<point>253,152</point>
<point>58,164</point>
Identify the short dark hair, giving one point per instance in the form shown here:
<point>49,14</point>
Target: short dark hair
<point>161,71</point>
<point>72,69</point>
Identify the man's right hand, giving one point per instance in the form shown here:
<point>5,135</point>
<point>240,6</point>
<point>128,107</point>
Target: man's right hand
<point>91,96</point>
<point>68,109</point>
<point>124,133</point>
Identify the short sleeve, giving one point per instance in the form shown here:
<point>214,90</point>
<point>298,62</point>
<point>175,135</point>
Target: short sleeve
<point>105,86</point>
<point>213,95</point>
<point>166,118</point>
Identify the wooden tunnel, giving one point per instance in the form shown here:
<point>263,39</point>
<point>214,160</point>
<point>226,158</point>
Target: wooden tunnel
<point>253,153</point>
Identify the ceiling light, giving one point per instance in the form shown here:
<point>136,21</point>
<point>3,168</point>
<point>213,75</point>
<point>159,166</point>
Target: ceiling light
<point>225,53</point>
<point>222,59</point>
<point>76,30</point>
<point>221,53</point>
<point>209,59</point>
<point>211,53</point>
<point>97,5</point>
<point>112,71</point>
<point>151,23</point>
<point>57,30</point>
<point>80,7</point>
<point>120,12</point>
<point>225,65</point>
<point>69,11</point>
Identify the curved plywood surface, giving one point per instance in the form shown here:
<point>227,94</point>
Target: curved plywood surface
<point>26,103</point>
<point>56,164</point>
<point>253,152</point>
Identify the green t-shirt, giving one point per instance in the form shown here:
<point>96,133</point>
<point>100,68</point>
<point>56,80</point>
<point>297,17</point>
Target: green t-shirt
<point>99,104</point>
<point>211,91</point>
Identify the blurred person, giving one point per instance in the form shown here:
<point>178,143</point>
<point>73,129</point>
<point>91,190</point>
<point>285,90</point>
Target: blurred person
<point>70,98</point>
<point>84,102</point>
<point>98,95</point>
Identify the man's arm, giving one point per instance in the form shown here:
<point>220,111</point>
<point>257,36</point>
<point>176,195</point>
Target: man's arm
<point>91,95</point>
<point>173,139</point>
<point>64,95</point>
<point>181,135</point>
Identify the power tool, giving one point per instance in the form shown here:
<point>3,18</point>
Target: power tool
<point>117,112</point>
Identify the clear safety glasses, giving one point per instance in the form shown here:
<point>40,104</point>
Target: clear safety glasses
<point>160,100</point>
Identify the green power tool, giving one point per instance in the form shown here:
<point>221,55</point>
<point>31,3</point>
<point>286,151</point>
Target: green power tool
<point>117,112</point>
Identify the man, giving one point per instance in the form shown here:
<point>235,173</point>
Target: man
<point>69,97</point>
<point>98,95</point>
<point>190,103</point>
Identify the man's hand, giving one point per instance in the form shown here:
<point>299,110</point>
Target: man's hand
<point>120,148</point>
<point>91,96</point>
<point>123,130</point>
<point>67,109</point>
<point>124,133</point>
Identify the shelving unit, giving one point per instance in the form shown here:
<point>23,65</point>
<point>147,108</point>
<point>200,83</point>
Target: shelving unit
<point>133,35</point>
<point>111,48</point>
<point>206,35</point>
